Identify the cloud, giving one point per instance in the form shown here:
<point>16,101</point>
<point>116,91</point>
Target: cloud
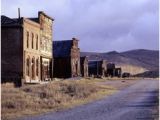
<point>100,25</point>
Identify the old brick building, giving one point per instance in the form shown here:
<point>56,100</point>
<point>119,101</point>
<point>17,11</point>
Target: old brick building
<point>97,68</point>
<point>46,36</point>
<point>66,58</point>
<point>84,66</point>
<point>26,48</point>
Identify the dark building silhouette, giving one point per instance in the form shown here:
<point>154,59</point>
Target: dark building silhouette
<point>97,68</point>
<point>66,58</point>
<point>84,66</point>
<point>126,74</point>
<point>110,69</point>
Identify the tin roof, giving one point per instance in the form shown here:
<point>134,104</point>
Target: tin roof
<point>94,63</point>
<point>8,21</point>
<point>62,48</point>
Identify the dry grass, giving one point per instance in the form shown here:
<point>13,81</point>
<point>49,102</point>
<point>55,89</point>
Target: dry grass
<point>58,95</point>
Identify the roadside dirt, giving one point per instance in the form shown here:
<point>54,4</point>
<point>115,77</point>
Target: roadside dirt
<point>119,84</point>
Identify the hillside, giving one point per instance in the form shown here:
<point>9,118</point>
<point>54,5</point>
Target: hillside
<point>133,61</point>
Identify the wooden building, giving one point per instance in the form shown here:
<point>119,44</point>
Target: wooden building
<point>126,75</point>
<point>97,68</point>
<point>26,48</point>
<point>66,58</point>
<point>84,66</point>
<point>110,70</point>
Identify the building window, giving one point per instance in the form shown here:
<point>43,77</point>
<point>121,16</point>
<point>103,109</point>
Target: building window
<point>27,66</point>
<point>33,68</point>
<point>27,39</point>
<point>37,42</point>
<point>37,67</point>
<point>32,40</point>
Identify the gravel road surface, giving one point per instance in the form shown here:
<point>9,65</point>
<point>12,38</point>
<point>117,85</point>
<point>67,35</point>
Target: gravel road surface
<point>136,102</point>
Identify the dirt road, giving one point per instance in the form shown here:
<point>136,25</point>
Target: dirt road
<point>136,102</point>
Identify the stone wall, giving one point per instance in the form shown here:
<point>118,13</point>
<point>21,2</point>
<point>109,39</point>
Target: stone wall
<point>75,59</point>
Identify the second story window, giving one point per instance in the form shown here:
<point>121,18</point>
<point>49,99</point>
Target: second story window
<point>32,41</point>
<point>37,67</point>
<point>27,39</point>
<point>37,42</point>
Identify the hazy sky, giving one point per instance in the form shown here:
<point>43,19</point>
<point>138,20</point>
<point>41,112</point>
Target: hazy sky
<point>100,25</point>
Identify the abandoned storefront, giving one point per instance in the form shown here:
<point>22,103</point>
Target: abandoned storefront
<point>66,58</point>
<point>26,48</point>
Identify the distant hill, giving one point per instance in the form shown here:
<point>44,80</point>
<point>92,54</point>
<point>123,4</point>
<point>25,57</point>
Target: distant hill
<point>133,61</point>
<point>150,74</point>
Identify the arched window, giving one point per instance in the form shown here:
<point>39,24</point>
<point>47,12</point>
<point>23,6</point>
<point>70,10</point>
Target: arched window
<point>32,40</point>
<point>37,42</point>
<point>37,67</point>
<point>27,66</point>
<point>27,39</point>
<point>33,68</point>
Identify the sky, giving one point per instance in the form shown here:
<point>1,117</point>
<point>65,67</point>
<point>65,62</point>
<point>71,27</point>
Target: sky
<point>100,25</point>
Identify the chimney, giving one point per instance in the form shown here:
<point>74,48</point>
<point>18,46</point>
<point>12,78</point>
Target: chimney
<point>19,13</point>
<point>74,38</point>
